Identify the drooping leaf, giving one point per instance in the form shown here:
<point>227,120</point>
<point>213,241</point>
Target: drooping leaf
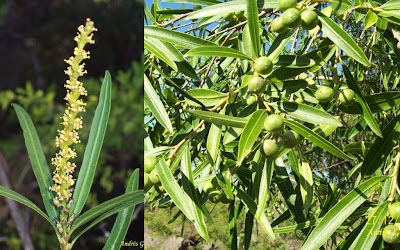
<point>213,141</point>
<point>219,119</point>
<point>216,51</point>
<point>208,97</point>
<point>279,44</point>
<point>306,184</point>
<point>252,18</point>
<point>291,61</point>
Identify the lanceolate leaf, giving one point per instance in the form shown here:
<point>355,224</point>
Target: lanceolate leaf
<point>191,190</point>
<point>367,237</point>
<point>195,2</point>
<point>216,51</point>
<point>219,119</point>
<point>294,61</point>
<point>123,220</point>
<point>158,48</point>
<point>252,18</point>
<point>38,161</point>
<point>342,39</point>
<point>208,97</point>
<point>251,205</point>
<point>279,44</point>
<point>306,113</point>
<point>376,102</point>
<point>317,139</point>
<point>306,184</point>
<point>181,39</point>
<point>382,147</point>
<point>369,118</point>
<point>23,200</point>
<point>265,182</point>
<point>250,134</point>
<point>93,147</point>
<point>155,105</point>
<point>340,212</point>
<point>213,141</point>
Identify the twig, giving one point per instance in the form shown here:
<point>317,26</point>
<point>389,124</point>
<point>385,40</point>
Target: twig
<point>14,210</point>
<point>163,25</point>
<point>331,166</point>
<point>295,41</point>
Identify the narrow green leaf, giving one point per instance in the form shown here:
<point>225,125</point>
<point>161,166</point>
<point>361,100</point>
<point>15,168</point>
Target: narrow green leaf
<point>216,51</point>
<point>378,102</point>
<point>279,44</point>
<point>333,31</point>
<point>213,141</point>
<point>291,61</point>
<point>356,148</point>
<point>195,2</point>
<point>173,189</point>
<point>155,105</point>
<point>382,147</point>
<point>181,39</point>
<point>23,200</point>
<point>156,151</point>
<point>190,189</point>
<point>367,237</point>
<point>250,134</point>
<point>306,113</point>
<point>122,201</point>
<point>38,161</point>
<point>252,18</point>
<point>340,212</point>
<point>219,119</point>
<point>158,48</point>
<point>298,226</point>
<point>93,147</point>
<point>123,220</point>
<point>208,97</point>
<point>391,5</point>
<point>317,139</point>
<point>306,184</point>
<point>251,205</point>
<point>265,182</point>
<point>369,118</point>
<point>339,7</point>
<point>325,130</point>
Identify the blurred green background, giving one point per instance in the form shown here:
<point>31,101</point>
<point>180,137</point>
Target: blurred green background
<point>36,37</point>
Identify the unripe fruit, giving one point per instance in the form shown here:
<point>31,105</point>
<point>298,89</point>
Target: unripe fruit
<point>299,100</point>
<point>290,139</point>
<point>256,85</point>
<point>324,94</point>
<point>270,148</point>
<point>159,188</point>
<point>150,163</point>
<point>391,234</point>
<point>154,177</point>
<point>263,65</point>
<point>147,183</point>
<point>274,124</point>
<point>277,26</point>
<point>286,4</point>
<point>346,97</point>
<point>208,186</point>
<point>228,16</point>
<point>251,99</point>
<point>394,211</point>
<point>291,18</point>
<point>309,19</point>
<point>215,196</point>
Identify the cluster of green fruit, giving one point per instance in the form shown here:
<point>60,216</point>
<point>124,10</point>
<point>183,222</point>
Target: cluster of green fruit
<point>232,16</point>
<point>292,17</point>
<point>391,233</point>
<point>325,94</point>
<point>214,192</point>
<point>151,177</point>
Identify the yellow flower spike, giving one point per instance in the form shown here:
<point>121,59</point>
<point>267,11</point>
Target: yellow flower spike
<point>62,177</point>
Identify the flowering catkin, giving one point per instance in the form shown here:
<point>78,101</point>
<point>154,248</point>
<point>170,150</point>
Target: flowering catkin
<point>62,175</point>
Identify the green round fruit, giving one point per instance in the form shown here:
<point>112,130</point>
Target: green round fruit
<point>291,18</point>
<point>274,124</point>
<point>347,97</point>
<point>309,19</point>
<point>299,100</point>
<point>391,234</point>
<point>251,99</point>
<point>228,16</point>
<point>147,183</point>
<point>324,94</point>
<point>208,186</point>
<point>150,163</point>
<point>277,26</point>
<point>394,211</point>
<point>159,188</point>
<point>310,81</point>
<point>270,148</point>
<point>263,65</point>
<point>290,139</point>
<point>256,85</point>
<point>215,196</point>
<point>286,4</point>
<point>154,177</point>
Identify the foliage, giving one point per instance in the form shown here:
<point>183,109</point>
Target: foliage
<point>199,66</point>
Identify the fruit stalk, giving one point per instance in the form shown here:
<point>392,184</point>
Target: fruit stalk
<point>394,181</point>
